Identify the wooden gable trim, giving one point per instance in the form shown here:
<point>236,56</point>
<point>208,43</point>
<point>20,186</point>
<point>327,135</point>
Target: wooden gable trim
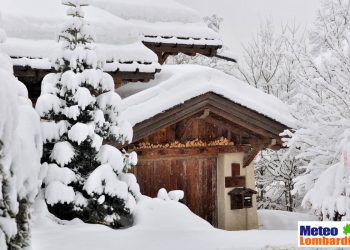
<point>163,50</point>
<point>243,113</point>
<point>233,112</point>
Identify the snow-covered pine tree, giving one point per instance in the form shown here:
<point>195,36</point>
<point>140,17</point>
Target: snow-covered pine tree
<point>80,111</point>
<point>20,153</point>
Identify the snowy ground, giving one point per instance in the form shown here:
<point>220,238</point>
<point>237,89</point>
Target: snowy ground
<point>165,225</point>
<point>276,220</point>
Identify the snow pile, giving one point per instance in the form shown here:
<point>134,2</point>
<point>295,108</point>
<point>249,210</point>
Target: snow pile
<point>282,220</point>
<point>189,81</point>
<point>158,214</point>
<point>175,195</point>
<point>159,224</point>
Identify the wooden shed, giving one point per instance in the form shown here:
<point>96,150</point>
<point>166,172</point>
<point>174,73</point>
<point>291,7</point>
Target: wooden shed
<point>205,147</point>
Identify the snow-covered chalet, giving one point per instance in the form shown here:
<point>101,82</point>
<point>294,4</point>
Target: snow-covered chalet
<point>196,129</point>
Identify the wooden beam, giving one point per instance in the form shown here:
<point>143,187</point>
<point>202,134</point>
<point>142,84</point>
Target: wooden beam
<point>250,155</point>
<point>32,78</point>
<point>151,154</point>
<point>173,48</point>
<point>226,58</point>
<point>255,149</point>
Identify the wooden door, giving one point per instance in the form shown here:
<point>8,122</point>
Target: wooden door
<point>196,176</point>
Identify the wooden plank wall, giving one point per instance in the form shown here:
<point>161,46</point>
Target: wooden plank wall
<point>196,176</point>
<point>205,129</point>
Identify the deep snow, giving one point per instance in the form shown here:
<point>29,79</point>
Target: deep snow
<point>160,225</point>
<point>277,220</point>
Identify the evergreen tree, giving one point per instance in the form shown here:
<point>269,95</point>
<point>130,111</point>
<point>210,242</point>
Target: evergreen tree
<point>20,153</point>
<point>79,111</point>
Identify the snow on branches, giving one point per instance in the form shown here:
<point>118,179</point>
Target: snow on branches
<point>80,111</point>
<point>323,139</point>
<point>20,153</point>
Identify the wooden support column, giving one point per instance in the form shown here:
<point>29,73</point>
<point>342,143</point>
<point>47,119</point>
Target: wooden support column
<point>255,149</point>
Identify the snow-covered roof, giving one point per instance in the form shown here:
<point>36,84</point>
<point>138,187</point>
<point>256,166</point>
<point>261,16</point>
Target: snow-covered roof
<point>149,10</point>
<point>32,28</point>
<point>42,20</point>
<point>162,21</point>
<point>125,57</point>
<point>123,25</point>
<point>177,84</point>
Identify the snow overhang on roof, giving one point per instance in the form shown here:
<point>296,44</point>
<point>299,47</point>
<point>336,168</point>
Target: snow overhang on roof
<point>36,54</point>
<point>164,26</point>
<point>178,84</point>
<point>167,27</point>
<point>32,28</point>
<point>162,19</point>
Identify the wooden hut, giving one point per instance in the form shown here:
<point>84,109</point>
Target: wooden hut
<point>203,140</point>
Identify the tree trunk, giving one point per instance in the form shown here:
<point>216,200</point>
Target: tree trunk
<point>22,239</point>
